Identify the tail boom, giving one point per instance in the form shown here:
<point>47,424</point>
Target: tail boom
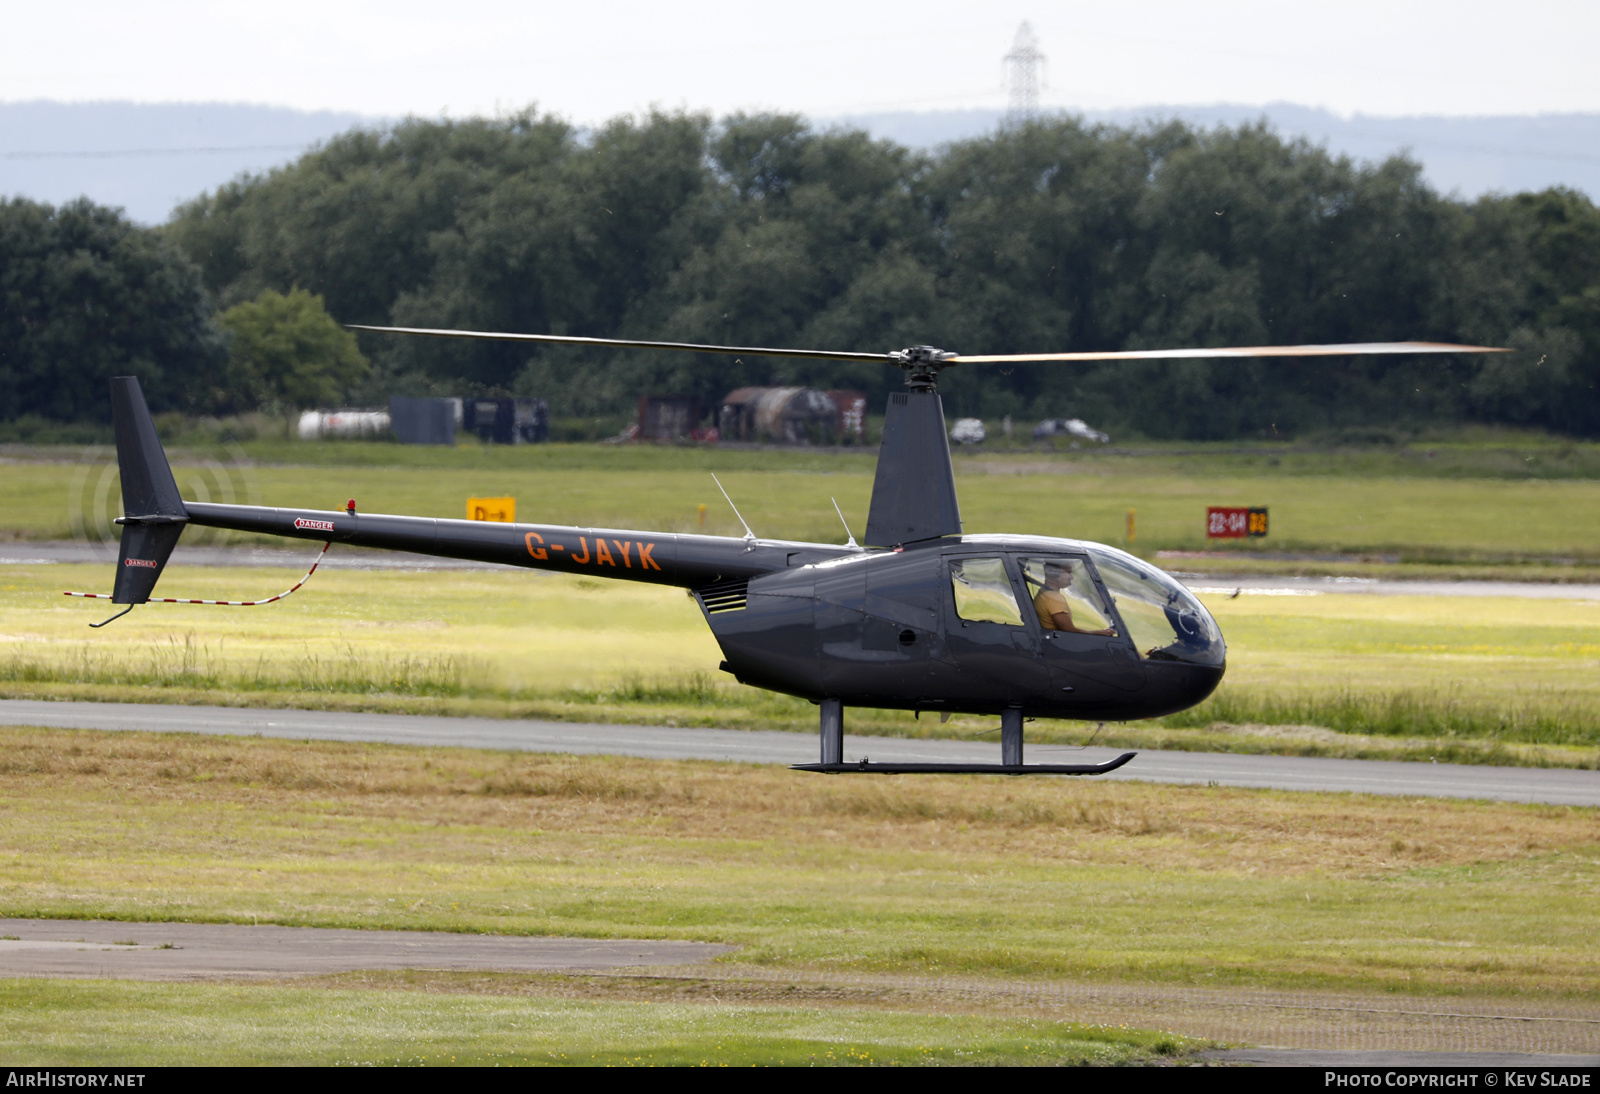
<point>685,561</point>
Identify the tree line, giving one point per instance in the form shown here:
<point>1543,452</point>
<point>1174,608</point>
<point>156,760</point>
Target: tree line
<point>762,230</point>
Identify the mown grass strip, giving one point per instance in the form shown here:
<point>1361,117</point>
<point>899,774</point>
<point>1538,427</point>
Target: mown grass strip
<point>101,1024</point>
<point>1437,714</point>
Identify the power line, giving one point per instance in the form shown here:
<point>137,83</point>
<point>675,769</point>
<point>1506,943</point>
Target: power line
<point>124,152</point>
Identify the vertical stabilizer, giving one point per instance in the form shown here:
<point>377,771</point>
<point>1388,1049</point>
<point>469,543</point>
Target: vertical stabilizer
<point>914,494</point>
<point>153,511</point>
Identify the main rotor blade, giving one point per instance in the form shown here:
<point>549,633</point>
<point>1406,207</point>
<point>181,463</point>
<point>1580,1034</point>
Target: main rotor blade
<point>1352,349</point>
<point>629,343</point>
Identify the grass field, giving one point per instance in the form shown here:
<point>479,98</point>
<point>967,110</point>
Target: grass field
<point>1473,679</point>
<point>1378,507</point>
<point>945,875</point>
<point>130,1025</point>
<point>1010,881</point>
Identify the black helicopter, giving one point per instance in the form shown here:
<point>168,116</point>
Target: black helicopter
<point>923,617</point>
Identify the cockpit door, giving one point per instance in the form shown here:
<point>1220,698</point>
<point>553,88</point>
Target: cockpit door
<point>987,634</point>
<point>1082,641</point>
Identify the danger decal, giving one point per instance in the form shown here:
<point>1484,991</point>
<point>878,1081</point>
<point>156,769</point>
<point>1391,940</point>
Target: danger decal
<point>314,525</point>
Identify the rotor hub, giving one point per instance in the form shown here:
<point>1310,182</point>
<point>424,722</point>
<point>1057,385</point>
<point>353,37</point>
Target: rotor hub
<point>922,365</point>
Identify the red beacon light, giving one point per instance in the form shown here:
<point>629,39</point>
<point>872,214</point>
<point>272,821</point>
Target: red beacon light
<point>350,507</point>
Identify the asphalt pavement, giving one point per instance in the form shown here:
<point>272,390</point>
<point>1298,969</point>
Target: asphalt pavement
<point>1555,786</point>
<point>185,951</point>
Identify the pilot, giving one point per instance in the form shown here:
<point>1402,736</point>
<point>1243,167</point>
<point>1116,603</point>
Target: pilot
<point>1055,614</point>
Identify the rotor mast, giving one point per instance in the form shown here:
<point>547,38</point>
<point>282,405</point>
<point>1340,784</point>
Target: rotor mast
<point>922,365</point>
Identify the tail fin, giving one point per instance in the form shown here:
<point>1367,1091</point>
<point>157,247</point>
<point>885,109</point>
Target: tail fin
<point>153,512</point>
<point>914,494</point>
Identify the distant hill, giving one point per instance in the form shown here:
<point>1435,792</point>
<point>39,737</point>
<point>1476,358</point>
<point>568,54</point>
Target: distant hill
<point>147,158</point>
<point>1465,156</point>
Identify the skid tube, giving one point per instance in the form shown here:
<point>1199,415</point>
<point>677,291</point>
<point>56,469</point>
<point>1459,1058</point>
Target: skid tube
<point>864,767</point>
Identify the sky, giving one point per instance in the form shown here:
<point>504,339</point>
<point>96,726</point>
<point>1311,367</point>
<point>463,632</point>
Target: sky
<point>590,62</point>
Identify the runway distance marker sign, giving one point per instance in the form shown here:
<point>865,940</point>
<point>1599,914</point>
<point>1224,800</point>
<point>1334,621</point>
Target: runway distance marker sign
<point>1226,522</point>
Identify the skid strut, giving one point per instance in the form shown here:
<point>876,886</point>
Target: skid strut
<point>832,731</point>
<point>832,740</point>
<point>1011,737</point>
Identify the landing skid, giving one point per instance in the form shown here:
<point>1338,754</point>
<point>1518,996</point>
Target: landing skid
<point>864,767</point>
<point>832,723</point>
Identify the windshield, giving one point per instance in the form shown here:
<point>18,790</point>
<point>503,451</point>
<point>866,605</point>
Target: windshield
<point>1163,618</point>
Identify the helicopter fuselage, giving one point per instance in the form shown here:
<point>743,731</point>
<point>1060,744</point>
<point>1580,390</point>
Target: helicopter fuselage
<point>869,628</point>
<point>926,618</point>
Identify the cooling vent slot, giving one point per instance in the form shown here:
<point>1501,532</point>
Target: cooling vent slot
<point>724,596</point>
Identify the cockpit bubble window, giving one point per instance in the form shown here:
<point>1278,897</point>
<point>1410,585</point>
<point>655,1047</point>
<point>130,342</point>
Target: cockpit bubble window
<point>983,591</point>
<point>1163,618</point>
<point>1064,596</point>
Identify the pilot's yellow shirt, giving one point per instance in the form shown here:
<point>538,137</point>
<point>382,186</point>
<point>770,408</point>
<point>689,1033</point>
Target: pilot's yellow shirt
<point>1047,603</point>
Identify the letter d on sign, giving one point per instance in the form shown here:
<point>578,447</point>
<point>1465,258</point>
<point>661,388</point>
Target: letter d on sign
<point>501,510</point>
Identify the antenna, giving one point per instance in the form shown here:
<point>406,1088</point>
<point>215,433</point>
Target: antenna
<point>749,536</point>
<point>853,545</point>
<point>1022,75</point>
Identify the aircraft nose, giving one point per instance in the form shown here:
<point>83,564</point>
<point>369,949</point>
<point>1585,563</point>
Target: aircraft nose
<point>1175,686</point>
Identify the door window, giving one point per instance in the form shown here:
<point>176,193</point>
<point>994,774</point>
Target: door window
<point>1065,597</point>
<point>983,591</point>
